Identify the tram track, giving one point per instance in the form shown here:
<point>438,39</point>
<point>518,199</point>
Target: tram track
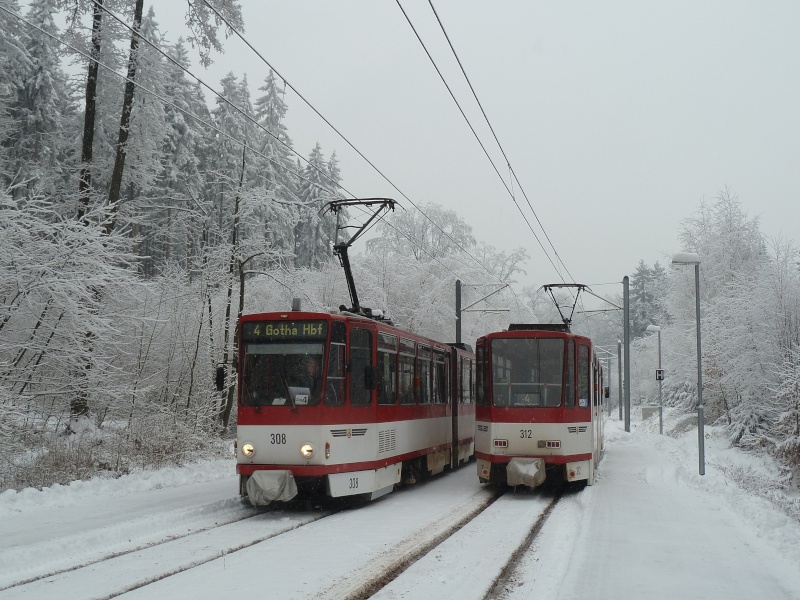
<point>467,541</point>
<point>498,589</point>
<point>378,572</point>
<point>119,577</point>
<point>119,553</point>
<point>473,561</point>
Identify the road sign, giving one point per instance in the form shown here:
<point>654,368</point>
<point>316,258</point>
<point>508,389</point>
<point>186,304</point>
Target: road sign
<point>659,374</point>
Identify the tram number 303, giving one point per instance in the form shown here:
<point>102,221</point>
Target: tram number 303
<point>353,483</point>
<point>277,438</point>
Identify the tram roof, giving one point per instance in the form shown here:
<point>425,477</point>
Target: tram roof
<point>538,327</point>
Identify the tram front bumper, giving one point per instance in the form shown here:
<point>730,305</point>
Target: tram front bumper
<point>525,471</point>
<point>264,487</point>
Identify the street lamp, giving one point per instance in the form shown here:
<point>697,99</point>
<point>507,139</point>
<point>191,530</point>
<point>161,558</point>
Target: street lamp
<point>690,258</point>
<point>660,378</point>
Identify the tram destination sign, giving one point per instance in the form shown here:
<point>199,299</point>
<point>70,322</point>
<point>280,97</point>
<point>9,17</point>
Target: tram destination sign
<point>262,331</point>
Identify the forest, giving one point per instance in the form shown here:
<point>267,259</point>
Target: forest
<point>141,213</point>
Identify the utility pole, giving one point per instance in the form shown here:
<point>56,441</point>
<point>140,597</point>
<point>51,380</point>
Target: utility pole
<point>619,373</point>
<point>458,311</point>
<point>627,328</point>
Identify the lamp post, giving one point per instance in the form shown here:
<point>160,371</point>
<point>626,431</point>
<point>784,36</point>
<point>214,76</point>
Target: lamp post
<point>660,378</point>
<point>690,258</point>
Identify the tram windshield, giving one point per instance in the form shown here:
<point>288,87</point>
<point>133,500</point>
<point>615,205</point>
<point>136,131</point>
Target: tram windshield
<point>527,372</point>
<point>283,363</point>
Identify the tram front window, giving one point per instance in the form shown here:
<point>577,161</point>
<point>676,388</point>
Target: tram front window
<point>527,372</point>
<point>282,374</point>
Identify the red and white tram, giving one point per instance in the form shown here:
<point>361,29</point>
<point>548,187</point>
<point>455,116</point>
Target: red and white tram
<point>344,405</point>
<point>539,406</point>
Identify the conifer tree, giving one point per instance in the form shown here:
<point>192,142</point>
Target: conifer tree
<point>15,65</point>
<point>276,171</point>
<point>42,101</point>
<point>315,232</point>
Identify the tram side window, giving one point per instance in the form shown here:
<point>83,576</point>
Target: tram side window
<point>334,389</point>
<point>463,384</point>
<point>596,379</point>
<point>569,400</point>
<point>467,381</point>
<point>360,355</point>
<point>424,375</point>
<point>406,379</point>
<point>408,349</point>
<point>481,398</point>
<point>584,366</point>
<point>439,378</point>
<point>387,378</point>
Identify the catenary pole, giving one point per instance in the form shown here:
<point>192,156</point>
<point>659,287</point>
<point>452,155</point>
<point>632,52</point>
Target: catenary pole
<point>627,340</point>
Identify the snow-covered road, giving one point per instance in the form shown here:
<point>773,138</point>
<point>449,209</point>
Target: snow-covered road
<point>642,532</point>
<point>649,528</point>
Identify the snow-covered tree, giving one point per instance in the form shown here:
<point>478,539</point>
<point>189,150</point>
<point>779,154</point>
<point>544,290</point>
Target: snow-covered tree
<point>276,171</point>
<point>15,66</point>
<point>647,298</point>
<point>428,233</point>
<point>315,233</point>
<point>39,143</point>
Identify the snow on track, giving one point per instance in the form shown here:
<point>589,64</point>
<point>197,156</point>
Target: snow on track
<point>315,559</point>
<point>467,564</point>
<point>110,578</point>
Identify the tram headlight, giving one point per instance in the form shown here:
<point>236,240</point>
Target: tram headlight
<point>248,449</point>
<point>307,451</point>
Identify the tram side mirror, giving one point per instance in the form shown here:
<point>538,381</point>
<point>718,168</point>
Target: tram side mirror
<point>370,377</point>
<point>606,392</point>
<point>220,378</point>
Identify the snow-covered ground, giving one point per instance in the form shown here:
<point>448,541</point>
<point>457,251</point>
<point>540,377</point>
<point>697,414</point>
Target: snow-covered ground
<point>650,527</point>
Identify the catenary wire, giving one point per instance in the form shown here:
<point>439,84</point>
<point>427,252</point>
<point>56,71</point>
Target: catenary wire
<point>237,108</point>
<point>499,145</point>
<point>474,133</point>
<point>234,139</point>
<point>255,122</point>
<point>345,139</point>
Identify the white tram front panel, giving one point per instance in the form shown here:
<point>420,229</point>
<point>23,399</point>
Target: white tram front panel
<point>372,453</point>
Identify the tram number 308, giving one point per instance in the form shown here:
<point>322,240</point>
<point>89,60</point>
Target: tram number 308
<point>277,438</point>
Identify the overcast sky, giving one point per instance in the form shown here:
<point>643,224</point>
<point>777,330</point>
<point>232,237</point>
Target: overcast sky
<point>618,118</point>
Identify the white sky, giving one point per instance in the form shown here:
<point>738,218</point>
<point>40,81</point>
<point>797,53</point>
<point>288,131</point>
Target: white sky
<point>618,118</point>
<point>650,527</point>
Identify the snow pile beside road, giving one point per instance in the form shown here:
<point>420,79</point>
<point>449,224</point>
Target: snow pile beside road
<point>78,492</point>
<point>752,485</point>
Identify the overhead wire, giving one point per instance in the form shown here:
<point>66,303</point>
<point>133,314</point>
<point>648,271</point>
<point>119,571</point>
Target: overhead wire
<point>499,145</point>
<point>477,137</point>
<point>204,122</point>
<point>345,139</point>
<point>238,109</point>
<point>227,101</point>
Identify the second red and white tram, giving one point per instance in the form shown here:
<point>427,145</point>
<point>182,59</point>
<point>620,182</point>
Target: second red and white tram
<point>344,405</point>
<point>539,406</point>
